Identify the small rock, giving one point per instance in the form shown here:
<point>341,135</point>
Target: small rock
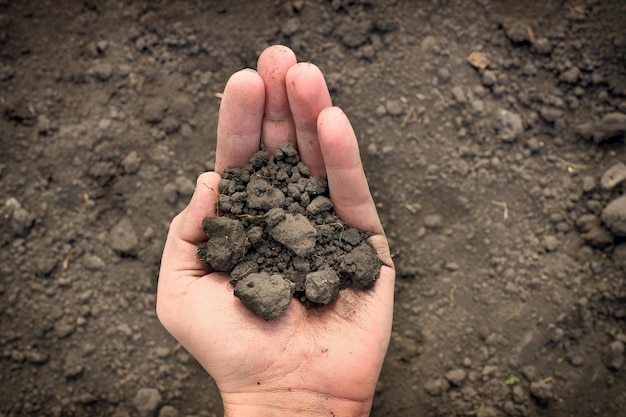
<point>570,76</point>
<point>456,376</point>
<point>543,46</point>
<point>519,396</point>
<point>154,110</point>
<point>508,125</point>
<point>103,172</point>
<point>21,222</point>
<point>394,107</point>
<point>44,125</point>
<point>429,44</point>
<point>291,26</point>
<point>550,114</point>
<point>184,186</point>
<point>459,94</point>
<point>168,411</point>
<point>182,107</point>
<point>433,221</point>
<point>489,78</point>
<point>355,33</point>
<point>616,355</point>
<point>598,237</point>
<point>529,69</point>
<point>478,106</point>
<point>550,243</point>
<point>518,32</point>
<point>614,216</point>
<point>36,357</point>
<point>436,387</point>
<point>123,239</point>
<point>170,193</point>
<point>529,372</point>
<point>102,72</point>
<point>613,176</point>
<point>611,126</point>
<point>541,391</point>
<point>147,401</point>
<point>443,74</point>
<point>576,360</point>
<point>534,145</point>
<point>589,183</point>
<point>131,163</point>
<point>63,329</point>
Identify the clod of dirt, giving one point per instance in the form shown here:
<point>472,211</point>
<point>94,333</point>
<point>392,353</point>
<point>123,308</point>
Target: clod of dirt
<point>227,243</point>
<point>297,233</point>
<point>279,237</point>
<point>322,286</point>
<point>265,295</point>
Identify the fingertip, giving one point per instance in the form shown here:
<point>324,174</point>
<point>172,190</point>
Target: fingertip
<point>306,80</point>
<point>278,125</point>
<point>240,118</point>
<point>337,138</point>
<point>273,54</point>
<point>188,224</point>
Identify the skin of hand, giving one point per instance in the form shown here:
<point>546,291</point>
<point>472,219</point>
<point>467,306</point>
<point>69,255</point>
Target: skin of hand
<point>318,361</point>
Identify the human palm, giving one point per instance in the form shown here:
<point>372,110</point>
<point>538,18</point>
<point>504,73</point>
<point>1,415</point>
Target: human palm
<point>311,361</point>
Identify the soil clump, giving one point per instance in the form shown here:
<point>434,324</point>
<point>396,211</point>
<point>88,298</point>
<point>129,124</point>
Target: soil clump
<point>278,236</point>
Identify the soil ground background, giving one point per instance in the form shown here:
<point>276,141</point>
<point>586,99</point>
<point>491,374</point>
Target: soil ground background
<point>511,292</point>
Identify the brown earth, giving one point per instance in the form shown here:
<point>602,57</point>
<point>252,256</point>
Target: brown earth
<point>491,133</point>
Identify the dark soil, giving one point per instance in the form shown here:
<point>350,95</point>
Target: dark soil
<point>491,132</point>
<point>279,237</point>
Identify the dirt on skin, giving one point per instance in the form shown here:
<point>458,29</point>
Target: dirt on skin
<point>492,135</point>
<point>279,237</point>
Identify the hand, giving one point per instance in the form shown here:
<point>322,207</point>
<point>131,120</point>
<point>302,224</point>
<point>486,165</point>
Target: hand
<point>321,361</point>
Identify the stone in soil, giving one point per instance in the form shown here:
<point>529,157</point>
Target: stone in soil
<point>614,216</point>
<point>279,237</point>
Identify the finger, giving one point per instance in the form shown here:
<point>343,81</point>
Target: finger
<point>240,118</point>
<point>347,183</point>
<point>308,96</point>
<point>186,231</point>
<point>278,126</point>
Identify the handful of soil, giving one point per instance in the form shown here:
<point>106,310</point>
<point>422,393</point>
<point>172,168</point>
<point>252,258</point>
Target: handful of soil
<point>278,236</point>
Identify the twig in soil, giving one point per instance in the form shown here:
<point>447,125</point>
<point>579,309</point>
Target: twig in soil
<point>409,115</point>
<point>504,206</point>
<point>571,166</point>
<point>452,291</point>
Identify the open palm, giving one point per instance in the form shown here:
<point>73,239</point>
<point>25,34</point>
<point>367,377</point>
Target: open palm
<point>311,361</point>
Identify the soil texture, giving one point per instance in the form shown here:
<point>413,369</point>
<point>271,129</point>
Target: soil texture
<point>279,237</point>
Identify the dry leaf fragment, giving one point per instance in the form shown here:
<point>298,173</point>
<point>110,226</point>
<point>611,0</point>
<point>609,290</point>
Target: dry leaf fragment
<point>478,60</point>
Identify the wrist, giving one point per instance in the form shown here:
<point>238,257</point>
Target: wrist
<point>291,403</point>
